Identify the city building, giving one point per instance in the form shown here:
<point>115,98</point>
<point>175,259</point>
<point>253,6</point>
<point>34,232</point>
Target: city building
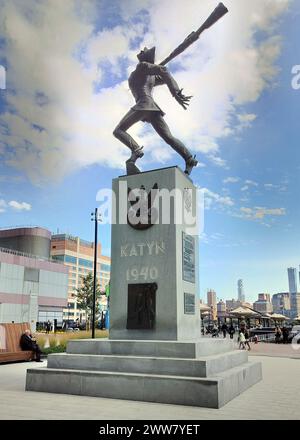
<point>294,294</point>
<point>221,309</point>
<point>241,294</point>
<point>263,304</point>
<point>292,276</point>
<point>78,256</point>
<point>212,303</point>
<point>232,304</point>
<point>33,288</point>
<point>281,303</point>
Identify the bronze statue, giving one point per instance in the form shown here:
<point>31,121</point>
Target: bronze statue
<point>142,80</point>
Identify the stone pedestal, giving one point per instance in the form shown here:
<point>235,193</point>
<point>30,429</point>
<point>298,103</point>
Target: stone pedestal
<point>155,267</point>
<point>154,352</point>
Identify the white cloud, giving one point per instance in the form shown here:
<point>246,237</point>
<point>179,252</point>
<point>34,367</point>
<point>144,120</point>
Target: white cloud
<point>3,205</point>
<point>245,120</point>
<point>2,78</point>
<point>57,122</point>
<point>251,182</point>
<point>211,197</point>
<point>19,206</point>
<point>270,186</point>
<point>261,212</point>
<point>218,161</point>
<point>231,180</point>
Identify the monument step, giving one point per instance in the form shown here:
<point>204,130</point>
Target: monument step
<point>174,349</point>
<point>201,367</point>
<point>212,392</point>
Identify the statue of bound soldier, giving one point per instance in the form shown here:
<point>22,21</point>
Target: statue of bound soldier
<point>142,81</point>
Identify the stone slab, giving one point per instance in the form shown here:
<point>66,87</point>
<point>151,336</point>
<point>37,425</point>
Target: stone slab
<point>202,367</point>
<point>174,349</point>
<point>211,392</point>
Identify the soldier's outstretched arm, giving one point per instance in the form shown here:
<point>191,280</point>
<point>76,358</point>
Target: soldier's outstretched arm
<point>165,77</point>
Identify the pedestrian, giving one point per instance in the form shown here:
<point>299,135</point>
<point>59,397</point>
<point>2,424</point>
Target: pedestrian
<point>48,326</point>
<point>231,331</point>
<point>278,334</point>
<point>247,339</point>
<point>285,335</point>
<point>224,329</point>
<point>242,340</point>
<point>215,332</point>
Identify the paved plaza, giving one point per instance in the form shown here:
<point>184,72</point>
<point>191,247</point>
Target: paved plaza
<point>276,397</point>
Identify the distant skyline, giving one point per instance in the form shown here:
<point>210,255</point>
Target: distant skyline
<point>65,95</point>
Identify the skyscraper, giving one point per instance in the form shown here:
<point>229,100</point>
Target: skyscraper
<point>293,289</point>
<point>241,295</point>
<point>212,302</point>
<point>292,275</point>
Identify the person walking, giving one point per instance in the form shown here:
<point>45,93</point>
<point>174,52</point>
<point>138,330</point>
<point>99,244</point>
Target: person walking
<point>224,329</point>
<point>278,334</point>
<point>247,339</point>
<point>231,331</point>
<point>242,340</point>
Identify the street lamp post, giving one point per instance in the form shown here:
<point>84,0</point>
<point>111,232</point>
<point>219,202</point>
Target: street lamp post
<point>96,218</point>
<point>69,306</point>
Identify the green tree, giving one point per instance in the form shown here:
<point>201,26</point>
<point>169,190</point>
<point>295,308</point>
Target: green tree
<point>85,296</point>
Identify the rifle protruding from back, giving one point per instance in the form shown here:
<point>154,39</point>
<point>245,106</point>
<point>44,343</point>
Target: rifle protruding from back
<point>218,13</point>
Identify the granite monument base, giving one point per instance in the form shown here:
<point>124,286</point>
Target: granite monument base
<point>205,373</point>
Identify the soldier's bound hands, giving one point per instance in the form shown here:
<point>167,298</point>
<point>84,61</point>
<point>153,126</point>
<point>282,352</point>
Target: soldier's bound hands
<point>183,100</point>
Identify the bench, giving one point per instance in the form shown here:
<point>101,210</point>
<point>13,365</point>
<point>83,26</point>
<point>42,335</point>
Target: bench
<point>10,349</point>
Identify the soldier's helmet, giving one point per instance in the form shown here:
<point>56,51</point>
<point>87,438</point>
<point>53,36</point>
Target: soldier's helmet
<point>147,55</point>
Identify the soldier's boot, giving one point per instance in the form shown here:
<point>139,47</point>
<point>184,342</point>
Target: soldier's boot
<point>190,163</point>
<point>131,168</point>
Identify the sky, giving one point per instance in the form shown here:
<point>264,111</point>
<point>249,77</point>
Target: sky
<point>67,64</point>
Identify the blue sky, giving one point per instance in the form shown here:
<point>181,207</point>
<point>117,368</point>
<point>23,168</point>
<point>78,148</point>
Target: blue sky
<point>242,123</point>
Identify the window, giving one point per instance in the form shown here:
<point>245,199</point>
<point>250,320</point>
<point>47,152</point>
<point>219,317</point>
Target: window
<point>85,263</point>
<point>58,257</point>
<point>70,259</point>
<point>105,267</point>
<point>31,275</point>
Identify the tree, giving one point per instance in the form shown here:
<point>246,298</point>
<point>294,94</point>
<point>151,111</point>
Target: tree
<point>85,295</point>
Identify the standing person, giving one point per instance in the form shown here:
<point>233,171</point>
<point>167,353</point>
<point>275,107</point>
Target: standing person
<point>215,332</point>
<point>278,334</point>
<point>247,339</point>
<point>285,334</point>
<point>224,329</point>
<point>231,331</point>
<point>29,343</point>
<point>242,340</point>
<point>48,326</point>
